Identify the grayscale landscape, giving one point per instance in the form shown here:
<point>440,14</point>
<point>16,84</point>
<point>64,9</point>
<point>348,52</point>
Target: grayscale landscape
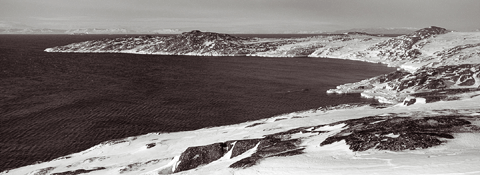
<point>270,87</point>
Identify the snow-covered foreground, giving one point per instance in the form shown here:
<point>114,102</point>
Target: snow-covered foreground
<point>160,153</point>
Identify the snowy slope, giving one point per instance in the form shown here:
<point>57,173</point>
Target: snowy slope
<point>163,153</point>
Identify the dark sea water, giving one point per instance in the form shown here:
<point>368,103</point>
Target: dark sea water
<point>54,104</point>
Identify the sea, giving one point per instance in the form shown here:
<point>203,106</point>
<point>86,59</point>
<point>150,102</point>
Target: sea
<point>55,104</point>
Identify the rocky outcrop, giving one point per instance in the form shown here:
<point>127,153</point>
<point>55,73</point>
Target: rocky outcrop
<point>195,156</point>
<point>454,79</point>
<point>405,47</point>
<point>398,133</point>
<point>269,146</point>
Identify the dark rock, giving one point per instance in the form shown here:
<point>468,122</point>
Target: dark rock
<point>255,124</point>
<point>246,162</point>
<point>290,153</point>
<point>43,171</point>
<point>196,156</point>
<point>409,102</point>
<point>268,148</point>
<point>79,171</point>
<point>397,133</point>
<point>241,146</point>
<point>150,145</point>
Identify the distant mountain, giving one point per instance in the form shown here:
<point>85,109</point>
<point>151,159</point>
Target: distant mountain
<point>386,31</point>
<point>100,31</point>
<point>301,32</point>
<point>166,31</point>
<point>30,31</point>
<point>7,28</point>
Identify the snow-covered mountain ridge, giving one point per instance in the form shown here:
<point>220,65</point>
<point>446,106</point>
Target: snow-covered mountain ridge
<point>433,45</point>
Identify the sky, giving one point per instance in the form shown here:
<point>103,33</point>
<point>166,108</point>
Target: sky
<point>241,16</point>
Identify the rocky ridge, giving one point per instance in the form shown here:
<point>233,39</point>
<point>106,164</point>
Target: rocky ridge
<point>394,87</point>
<point>405,47</point>
<point>414,50</point>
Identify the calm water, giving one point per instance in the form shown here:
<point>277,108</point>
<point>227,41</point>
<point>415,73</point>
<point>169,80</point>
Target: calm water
<point>54,104</point>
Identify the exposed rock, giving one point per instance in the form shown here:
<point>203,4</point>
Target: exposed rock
<point>150,145</point>
<point>451,79</point>
<point>79,171</point>
<point>397,133</point>
<point>273,145</point>
<point>255,124</point>
<point>268,148</point>
<point>43,171</point>
<point>200,155</point>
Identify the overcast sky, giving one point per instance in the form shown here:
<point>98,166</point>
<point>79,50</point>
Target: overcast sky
<point>254,16</point>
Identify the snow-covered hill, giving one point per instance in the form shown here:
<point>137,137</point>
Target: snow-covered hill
<point>433,45</point>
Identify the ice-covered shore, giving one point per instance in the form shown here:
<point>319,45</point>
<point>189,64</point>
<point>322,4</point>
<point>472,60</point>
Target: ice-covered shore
<point>431,127</point>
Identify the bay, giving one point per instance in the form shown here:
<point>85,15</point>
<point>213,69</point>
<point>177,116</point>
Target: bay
<point>55,104</point>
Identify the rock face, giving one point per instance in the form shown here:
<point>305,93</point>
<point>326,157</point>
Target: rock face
<point>195,156</point>
<point>265,147</point>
